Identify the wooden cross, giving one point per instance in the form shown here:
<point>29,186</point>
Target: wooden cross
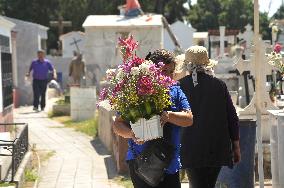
<point>60,24</point>
<point>76,43</point>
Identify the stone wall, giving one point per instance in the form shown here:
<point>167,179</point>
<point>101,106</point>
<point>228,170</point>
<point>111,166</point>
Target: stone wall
<point>115,144</point>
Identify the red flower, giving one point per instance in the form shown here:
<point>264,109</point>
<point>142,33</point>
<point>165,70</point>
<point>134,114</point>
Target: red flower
<point>127,45</point>
<point>145,86</point>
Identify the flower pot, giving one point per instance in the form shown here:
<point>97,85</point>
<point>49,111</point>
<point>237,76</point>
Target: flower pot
<point>147,129</point>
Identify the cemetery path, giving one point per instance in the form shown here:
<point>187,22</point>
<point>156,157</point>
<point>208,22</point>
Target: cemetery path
<point>72,159</point>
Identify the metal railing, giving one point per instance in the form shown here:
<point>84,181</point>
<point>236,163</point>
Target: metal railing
<point>17,147</point>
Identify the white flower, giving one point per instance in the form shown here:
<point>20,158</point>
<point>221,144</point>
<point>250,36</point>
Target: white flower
<point>275,29</point>
<point>105,104</point>
<point>145,68</point>
<point>120,74</point>
<point>110,71</point>
<point>110,74</point>
<point>134,71</point>
<point>148,62</point>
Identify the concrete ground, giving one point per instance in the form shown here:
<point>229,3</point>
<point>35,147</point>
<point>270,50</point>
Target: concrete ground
<point>76,160</point>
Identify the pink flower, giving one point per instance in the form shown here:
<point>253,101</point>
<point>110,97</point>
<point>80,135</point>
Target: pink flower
<point>135,62</point>
<point>145,86</point>
<point>165,81</point>
<point>277,48</point>
<point>103,94</point>
<point>118,87</point>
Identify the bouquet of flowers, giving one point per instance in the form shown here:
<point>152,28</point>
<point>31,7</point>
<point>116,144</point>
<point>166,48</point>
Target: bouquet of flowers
<point>275,59</point>
<point>138,89</point>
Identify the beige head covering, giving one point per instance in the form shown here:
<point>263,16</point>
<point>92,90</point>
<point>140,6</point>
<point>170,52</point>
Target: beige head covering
<point>196,60</point>
<point>198,55</point>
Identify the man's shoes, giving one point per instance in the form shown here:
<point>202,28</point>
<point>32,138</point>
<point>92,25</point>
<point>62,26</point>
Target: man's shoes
<point>35,109</point>
<point>42,109</point>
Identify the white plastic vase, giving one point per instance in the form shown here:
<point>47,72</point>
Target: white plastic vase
<point>147,129</point>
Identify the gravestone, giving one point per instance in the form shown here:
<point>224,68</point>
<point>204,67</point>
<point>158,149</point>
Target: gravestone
<point>102,33</point>
<point>72,41</point>
<point>220,37</point>
<point>83,103</point>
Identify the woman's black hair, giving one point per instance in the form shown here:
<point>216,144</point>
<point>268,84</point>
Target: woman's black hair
<point>161,55</point>
<point>148,56</point>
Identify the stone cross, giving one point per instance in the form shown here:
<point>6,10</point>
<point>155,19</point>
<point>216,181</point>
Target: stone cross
<point>60,24</point>
<point>76,43</point>
<point>248,65</point>
<point>248,37</point>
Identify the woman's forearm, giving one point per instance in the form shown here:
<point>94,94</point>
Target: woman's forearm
<point>120,128</point>
<point>183,118</point>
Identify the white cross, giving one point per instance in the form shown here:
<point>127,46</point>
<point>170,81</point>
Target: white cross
<point>249,65</point>
<point>248,37</point>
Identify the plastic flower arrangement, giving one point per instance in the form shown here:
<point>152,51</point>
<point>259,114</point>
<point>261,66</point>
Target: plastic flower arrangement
<point>275,59</point>
<point>138,89</point>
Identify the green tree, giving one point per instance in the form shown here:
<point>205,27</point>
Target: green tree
<point>234,14</point>
<point>203,15</point>
<point>264,26</point>
<point>279,13</point>
<point>43,11</point>
<point>174,10</point>
<point>210,14</point>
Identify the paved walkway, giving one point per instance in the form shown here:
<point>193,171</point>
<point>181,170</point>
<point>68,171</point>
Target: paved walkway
<point>78,161</point>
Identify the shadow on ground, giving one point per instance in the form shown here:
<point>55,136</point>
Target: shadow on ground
<point>109,160</point>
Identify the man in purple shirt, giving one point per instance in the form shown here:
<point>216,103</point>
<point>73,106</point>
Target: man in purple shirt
<point>41,68</point>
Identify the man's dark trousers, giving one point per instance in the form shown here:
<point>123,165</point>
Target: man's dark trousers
<point>39,89</point>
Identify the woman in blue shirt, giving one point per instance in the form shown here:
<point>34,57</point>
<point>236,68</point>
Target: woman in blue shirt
<point>178,115</point>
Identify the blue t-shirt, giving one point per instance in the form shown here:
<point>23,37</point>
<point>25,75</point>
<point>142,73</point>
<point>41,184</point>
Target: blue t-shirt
<point>179,103</point>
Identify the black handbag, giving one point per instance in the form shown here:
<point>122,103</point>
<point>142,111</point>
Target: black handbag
<point>150,165</point>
